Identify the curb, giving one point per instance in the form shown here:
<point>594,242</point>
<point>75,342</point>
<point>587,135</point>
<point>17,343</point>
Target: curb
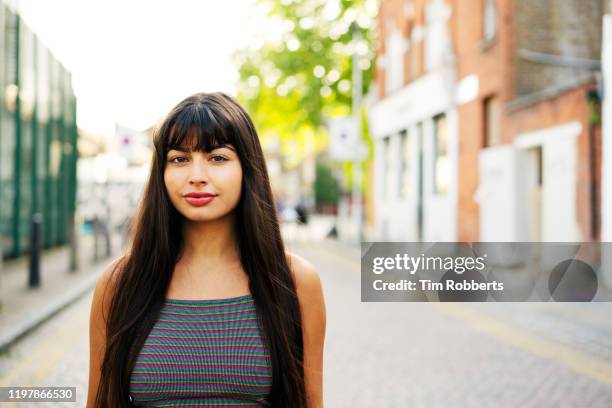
<point>11,336</point>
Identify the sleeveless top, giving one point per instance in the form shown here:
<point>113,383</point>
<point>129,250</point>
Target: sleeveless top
<point>204,353</point>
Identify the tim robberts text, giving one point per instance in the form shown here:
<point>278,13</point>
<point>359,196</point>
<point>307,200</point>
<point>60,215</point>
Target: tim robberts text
<point>412,265</point>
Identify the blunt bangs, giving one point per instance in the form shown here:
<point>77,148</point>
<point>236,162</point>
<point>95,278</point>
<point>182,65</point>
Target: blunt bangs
<point>198,128</point>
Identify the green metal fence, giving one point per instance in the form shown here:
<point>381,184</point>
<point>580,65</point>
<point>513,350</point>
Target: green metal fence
<point>38,139</point>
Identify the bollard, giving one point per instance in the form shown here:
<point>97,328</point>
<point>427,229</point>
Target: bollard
<point>1,262</point>
<point>35,235</point>
<point>74,249</point>
<point>107,237</point>
<point>96,232</point>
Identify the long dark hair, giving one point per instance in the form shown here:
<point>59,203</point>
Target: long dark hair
<point>156,242</point>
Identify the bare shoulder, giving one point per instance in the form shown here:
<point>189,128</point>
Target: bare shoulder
<point>303,271</point>
<point>105,286</point>
<point>103,293</point>
<point>307,279</point>
<point>312,305</point>
<point>111,272</point>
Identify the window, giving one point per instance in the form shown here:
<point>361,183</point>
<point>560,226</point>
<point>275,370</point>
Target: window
<point>405,179</point>
<point>441,169</point>
<point>410,54</point>
<point>489,23</point>
<point>420,185</point>
<point>437,37</point>
<point>491,119</point>
<point>388,167</point>
<point>394,54</point>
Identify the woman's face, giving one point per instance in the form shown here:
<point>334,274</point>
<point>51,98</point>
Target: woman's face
<point>203,186</point>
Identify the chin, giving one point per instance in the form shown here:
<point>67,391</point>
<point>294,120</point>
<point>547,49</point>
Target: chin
<point>198,215</point>
<point>200,218</point>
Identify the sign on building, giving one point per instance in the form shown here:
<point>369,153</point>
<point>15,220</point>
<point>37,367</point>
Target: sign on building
<point>345,143</point>
<point>131,144</point>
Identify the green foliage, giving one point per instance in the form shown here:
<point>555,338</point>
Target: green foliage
<point>347,166</point>
<point>594,104</point>
<point>325,186</point>
<point>291,86</point>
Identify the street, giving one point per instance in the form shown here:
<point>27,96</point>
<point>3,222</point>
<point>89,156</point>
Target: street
<point>342,125</point>
<point>396,355</point>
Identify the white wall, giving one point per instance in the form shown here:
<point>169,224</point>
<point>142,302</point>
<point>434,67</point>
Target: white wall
<point>396,217</point>
<point>496,194</point>
<point>509,208</point>
<point>559,168</point>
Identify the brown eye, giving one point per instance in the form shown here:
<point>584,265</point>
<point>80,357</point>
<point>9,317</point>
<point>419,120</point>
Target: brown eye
<point>174,159</point>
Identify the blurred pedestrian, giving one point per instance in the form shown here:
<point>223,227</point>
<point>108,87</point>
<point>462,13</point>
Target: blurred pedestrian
<point>279,204</point>
<point>303,230</point>
<point>302,213</point>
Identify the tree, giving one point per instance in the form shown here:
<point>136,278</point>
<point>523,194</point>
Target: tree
<point>292,85</point>
<point>326,186</point>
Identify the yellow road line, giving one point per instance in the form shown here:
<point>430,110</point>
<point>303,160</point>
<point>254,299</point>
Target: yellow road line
<point>575,360</point>
<point>579,315</point>
<point>68,339</point>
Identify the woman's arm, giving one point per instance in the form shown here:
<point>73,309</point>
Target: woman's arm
<point>312,303</point>
<point>97,329</point>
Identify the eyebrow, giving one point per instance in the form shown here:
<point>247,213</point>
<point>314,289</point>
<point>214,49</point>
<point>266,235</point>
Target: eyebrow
<point>189,149</point>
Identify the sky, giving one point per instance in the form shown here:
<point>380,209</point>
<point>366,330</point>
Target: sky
<point>133,60</point>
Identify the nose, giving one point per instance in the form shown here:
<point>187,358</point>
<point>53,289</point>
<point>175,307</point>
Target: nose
<point>199,172</point>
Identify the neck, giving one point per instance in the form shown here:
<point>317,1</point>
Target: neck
<point>210,242</point>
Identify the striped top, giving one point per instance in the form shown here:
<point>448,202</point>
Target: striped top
<point>204,353</point>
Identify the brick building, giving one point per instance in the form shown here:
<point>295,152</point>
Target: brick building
<point>414,123</point>
<point>487,124</point>
<point>529,159</point>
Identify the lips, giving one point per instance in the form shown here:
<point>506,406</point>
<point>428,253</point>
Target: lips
<point>199,195</point>
<point>199,199</point>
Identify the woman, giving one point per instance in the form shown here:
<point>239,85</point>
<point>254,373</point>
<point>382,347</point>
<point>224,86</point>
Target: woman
<point>206,308</point>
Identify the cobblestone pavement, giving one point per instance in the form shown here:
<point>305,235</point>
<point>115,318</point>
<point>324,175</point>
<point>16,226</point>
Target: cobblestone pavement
<point>55,354</point>
<point>397,355</point>
<point>400,355</point>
